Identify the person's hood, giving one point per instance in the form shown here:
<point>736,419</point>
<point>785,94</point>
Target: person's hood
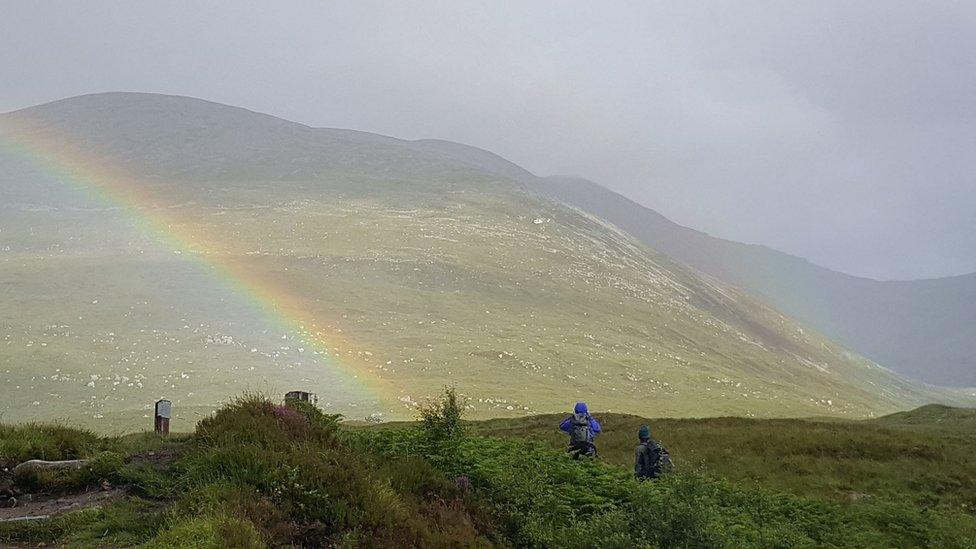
<point>581,408</point>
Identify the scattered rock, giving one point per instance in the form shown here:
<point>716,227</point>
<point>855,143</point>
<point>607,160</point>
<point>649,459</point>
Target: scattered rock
<point>24,519</point>
<point>40,464</point>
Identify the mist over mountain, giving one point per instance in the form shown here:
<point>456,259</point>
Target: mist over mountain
<point>193,250</point>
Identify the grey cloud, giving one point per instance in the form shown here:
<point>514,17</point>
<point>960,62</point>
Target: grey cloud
<point>842,132</point>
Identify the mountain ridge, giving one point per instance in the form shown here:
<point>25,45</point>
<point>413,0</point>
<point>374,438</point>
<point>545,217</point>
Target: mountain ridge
<point>904,324</point>
<point>406,266</point>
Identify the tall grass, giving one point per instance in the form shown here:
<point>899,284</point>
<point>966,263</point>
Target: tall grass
<point>840,460</point>
<point>258,473</point>
<point>19,443</point>
<point>542,498</point>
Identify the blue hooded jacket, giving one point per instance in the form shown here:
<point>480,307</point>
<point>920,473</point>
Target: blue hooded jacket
<point>581,408</point>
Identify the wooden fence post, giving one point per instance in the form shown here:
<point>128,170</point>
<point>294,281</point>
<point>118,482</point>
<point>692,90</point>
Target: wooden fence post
<point>163,413</point>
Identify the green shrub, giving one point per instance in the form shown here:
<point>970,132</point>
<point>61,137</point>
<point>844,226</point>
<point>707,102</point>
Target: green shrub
<point>441,418</point>
<point>293,459</point>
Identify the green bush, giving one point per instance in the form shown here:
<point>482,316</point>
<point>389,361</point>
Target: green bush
<point>293,459</point>
<point>441,418</point>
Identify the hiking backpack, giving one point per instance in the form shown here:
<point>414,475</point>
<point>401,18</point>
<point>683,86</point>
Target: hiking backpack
<point>579,430</point>
<point>664,464</point>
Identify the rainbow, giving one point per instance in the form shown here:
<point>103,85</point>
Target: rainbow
<point>282,309</point>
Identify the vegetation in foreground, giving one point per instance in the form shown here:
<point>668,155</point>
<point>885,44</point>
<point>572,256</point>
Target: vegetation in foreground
<point>259,474</point>
<point>923,456</point>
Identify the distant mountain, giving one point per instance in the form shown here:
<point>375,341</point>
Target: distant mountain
<point>924,329</point>
<point>157,246</point>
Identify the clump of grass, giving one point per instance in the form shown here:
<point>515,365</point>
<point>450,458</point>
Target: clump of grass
<point>50,530</point>
<point>101,467</point>
<point>121,523</point>
<point>209,531</point>
<point>19,443</point>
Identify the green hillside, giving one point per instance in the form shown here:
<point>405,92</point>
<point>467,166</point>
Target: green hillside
<point>259,474</point>
<point>369,270</point>
<point>935,417</point>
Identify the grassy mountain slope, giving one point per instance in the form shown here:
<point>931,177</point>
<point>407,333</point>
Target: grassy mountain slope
<point>412,268</point>
<point>925,329</point>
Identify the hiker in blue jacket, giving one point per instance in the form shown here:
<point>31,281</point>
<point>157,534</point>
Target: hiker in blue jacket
<point>582,429</point>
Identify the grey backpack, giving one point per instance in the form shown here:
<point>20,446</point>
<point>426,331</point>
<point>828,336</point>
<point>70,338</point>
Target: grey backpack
<point>579,429</point>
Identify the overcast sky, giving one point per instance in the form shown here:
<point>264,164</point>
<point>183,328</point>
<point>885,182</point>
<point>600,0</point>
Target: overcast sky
<point>842,132</point>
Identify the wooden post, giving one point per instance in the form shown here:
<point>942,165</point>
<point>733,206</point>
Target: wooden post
<point>304,396</point>
<point>163,414</point>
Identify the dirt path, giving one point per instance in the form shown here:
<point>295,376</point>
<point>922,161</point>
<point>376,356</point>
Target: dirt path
<point>48,506</point>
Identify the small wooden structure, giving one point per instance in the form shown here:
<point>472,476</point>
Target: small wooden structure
<point>304,396</point>
<point>164,411</point>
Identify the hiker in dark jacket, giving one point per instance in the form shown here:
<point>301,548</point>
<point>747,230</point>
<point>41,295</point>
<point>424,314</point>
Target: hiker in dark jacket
<point>582,429</point>
<point>651,459</point>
